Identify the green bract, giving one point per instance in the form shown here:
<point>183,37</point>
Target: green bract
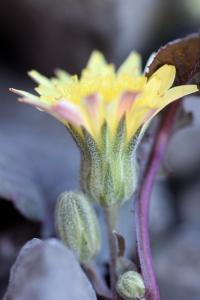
<point>109,167</point>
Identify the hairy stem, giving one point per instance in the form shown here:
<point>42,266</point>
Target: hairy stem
<point>143,202</point>
<point>111,220</point>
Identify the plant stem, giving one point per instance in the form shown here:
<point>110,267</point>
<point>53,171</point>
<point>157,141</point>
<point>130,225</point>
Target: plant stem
<point>97,280</point>
<point>111,220</point>
<point>143,202</point>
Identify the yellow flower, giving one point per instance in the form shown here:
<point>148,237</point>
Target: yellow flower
<point>102,94</point>
<point>107,113</point>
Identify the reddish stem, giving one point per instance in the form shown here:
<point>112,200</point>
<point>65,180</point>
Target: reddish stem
<point>97,280</point>
<point>143,202</point>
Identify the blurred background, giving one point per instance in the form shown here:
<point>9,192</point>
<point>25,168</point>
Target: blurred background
<point>38,159</point>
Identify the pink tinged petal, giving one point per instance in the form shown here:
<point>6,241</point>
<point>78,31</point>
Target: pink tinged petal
<point>92,103</point>
<point>149,115</point>
<point>24,94</point>
<point>39,105</point>
<point>42,107</point>
<point>31,99</point>
<point>69,112</point>
<point>126,103</point>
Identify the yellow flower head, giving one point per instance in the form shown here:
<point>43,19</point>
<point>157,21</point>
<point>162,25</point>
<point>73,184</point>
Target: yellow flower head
<point>102,94</point>
<point>107,112</point>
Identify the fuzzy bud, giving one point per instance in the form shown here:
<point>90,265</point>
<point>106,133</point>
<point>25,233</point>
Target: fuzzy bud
<point>77,225</point>
<point>130,286</point>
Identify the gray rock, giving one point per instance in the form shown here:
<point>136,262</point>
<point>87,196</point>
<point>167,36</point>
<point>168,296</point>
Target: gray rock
<point>47,270</point>
<point>182,155</point>
<point>161,211</point>
<point>190,202</point>
<point>177,262</point>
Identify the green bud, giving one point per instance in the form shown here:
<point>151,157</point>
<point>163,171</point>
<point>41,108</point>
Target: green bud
<point>130,286</point>
<point>77,225</point>
<point>109,167</point>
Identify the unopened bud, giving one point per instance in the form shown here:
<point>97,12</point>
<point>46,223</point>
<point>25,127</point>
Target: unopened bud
<point>130,286</point>
<point>77,225</point>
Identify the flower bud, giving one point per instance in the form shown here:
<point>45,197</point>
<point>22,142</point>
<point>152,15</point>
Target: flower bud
<point>77,225</point>
<point>108,169</point>
<point>130,286</point>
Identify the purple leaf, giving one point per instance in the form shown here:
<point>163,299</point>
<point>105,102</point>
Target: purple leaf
<point>47,270</point>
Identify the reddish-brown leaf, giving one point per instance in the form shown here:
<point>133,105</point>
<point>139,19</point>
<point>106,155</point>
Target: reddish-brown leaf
<point>184,54</point>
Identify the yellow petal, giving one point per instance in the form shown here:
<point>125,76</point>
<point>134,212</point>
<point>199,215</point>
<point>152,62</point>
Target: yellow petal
<point>24,94</point>
<point>96,59</point>
<point>62,76</point>
<point>111,115</point>
<point>131,66</point>
<point>92,106</point>
<point>171,95</point>
<point>135,119</point>
<point>47,93</point>
<point>39,78</point>
<point>32,100</point>
<point>178,92</point>
<point>71,99</point>
<point>97,64</point>
<point>163,78</point>
<point>125,103</point>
